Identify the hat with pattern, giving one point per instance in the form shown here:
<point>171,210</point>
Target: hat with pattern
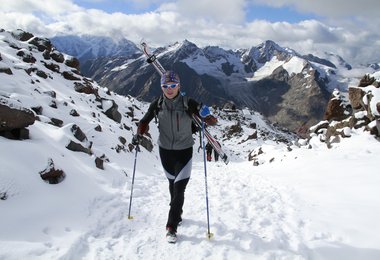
<point>169,76</point>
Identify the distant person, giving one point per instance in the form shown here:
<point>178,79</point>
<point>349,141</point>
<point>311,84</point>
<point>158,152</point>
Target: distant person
<point>216,155</point>
<point>175,141</point>
<point>209,151</point>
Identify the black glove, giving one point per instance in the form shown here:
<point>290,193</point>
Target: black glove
<point>136,139</point>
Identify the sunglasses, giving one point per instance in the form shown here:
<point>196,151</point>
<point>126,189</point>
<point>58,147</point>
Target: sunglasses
<point>169,85</point>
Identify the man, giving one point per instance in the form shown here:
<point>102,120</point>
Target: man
<point>209,151</point>
<point>216,155</point>
<point>175,141</point>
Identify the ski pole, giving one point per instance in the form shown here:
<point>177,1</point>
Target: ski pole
<point>209,234</point>
<point>133,181</point>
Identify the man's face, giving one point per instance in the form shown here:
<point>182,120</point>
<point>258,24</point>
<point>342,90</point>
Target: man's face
<point>170,89</point>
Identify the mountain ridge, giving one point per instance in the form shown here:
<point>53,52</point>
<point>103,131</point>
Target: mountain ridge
<point>243,76</point>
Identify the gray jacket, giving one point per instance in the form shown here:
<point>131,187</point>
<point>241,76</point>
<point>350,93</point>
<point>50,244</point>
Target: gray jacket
<point>174,121</point>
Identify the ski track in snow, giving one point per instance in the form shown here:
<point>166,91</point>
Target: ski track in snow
<point>264,224</point>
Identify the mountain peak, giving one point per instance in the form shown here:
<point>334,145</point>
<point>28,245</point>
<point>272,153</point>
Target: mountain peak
<point>181,49</point>
<point>270,45</point>
<point>86,47</point>
<point>265,51</point>
<point>186,44</point>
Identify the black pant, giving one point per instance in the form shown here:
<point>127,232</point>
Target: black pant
<point>177,166</point>
<point>216,156</point>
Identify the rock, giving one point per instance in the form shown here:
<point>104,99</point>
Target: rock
<point>234,130</point>
<point>26,57</point>
<point>73,63</point>
<point>6,71</point>
<point>51,66</point>
<point>56,122</point>
<point>41,74</point>
<point>366,81</point>
<point>112,112</point>
<point>75,147</point>
<point>122,140</point>
<point>355,96</point>
<point>335,111</point>
<point>86,88</point>
<point>52,175</point>
<point>57,56</point>
<point>69,75</point>
<point>73,112</point>
<point>99,161</point>
<point>42,44</point>
<point>22,35</point>
<point>3,195</point>
<point>337,108</point>
<point>78,133</point>
<point>14,120</point>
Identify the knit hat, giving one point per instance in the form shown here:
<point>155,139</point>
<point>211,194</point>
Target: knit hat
<point>169,76</point>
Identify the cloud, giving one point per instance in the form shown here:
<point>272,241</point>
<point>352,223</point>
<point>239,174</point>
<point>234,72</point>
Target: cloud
<point>230,11</point>
<point>27,22</point>
<point>328,8</point>
<point>46,7</point>
<point>181,20</point>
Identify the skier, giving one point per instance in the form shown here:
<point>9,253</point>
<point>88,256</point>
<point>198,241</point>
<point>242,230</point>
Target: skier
<point>216,155</point>
<point>175,141</point>
<point>209,151</point>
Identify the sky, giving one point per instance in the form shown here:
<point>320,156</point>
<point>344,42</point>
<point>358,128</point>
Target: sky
<point>301,204</point>
<point>347,28</point>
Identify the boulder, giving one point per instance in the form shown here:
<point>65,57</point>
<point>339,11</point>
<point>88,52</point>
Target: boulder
<point>338,108</point>
<point>112,112</point>
<point>76,147</point>
<point>73,62</point>
<point>52,175</point>
<point>355,96</point>
<point>14,120</point>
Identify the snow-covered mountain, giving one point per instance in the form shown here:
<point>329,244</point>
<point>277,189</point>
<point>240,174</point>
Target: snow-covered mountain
<point>287,88</point>
<point>375,66</point>
<point>88,47</point>
<point>66,167</point>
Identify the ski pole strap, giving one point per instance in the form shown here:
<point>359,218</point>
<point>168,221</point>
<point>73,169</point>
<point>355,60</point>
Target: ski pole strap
<point>151,59</point>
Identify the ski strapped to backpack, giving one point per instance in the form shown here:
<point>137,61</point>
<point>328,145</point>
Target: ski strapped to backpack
<point>152,59</point>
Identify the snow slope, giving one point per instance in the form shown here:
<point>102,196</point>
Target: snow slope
<point>316,204</point>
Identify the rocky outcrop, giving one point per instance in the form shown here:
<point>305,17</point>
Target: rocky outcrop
<point>338,108</point>
<point>360,108</point>
<point>49,88</point>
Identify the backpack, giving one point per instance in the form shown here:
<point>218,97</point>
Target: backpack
<point>185,102</point>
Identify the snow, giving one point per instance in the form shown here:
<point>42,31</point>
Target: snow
<point>266,70</point>
<point>375,92</point>
<point>314,203</point>
<point>318,204</point>
<point>294,66</point>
